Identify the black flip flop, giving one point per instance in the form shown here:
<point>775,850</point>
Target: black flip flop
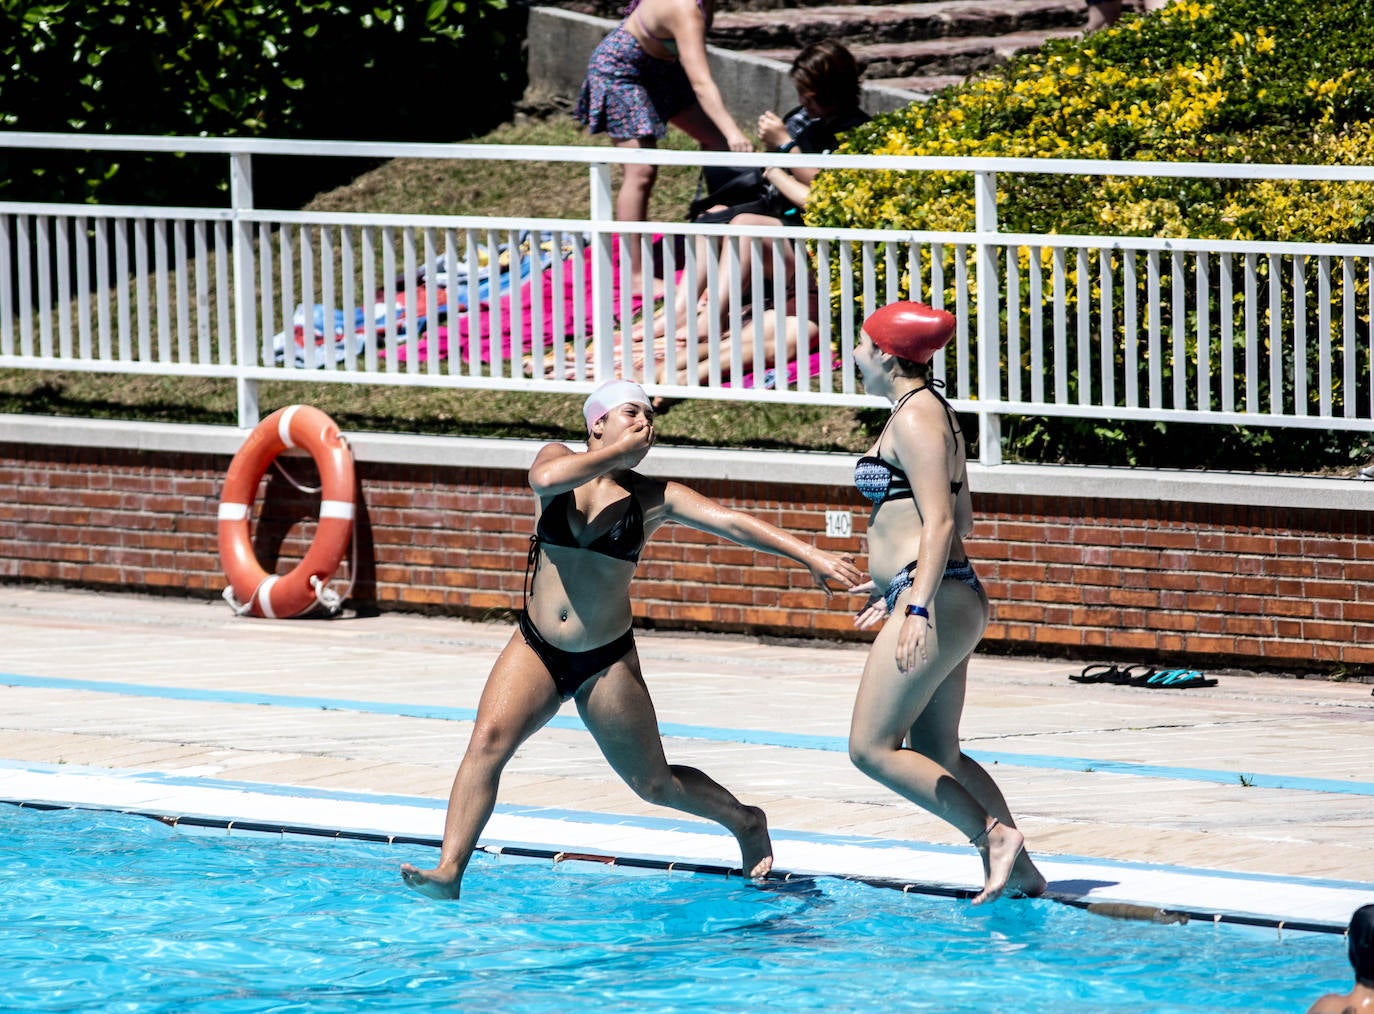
<point>1098,672</point>
<point>1105,672</point>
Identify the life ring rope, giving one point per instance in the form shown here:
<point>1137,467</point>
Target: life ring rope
<point>276,463</point>
<point>251,590</point>
<point>328,509</point>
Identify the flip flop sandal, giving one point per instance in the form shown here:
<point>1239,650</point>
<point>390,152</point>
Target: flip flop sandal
<point>1104,672</point>
<point>1175,679</point>
<point>1098,672</point>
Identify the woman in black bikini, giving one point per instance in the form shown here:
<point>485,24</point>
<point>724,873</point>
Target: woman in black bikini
<point>905,729</point>
<point>575,639</point>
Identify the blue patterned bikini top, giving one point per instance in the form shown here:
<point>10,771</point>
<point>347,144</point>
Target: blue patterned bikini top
<point>880,481</point>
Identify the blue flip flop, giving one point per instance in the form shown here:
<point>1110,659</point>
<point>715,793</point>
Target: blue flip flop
<point>1174,679</point>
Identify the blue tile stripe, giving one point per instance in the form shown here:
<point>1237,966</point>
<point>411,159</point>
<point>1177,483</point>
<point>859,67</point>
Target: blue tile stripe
<point>676,730</point>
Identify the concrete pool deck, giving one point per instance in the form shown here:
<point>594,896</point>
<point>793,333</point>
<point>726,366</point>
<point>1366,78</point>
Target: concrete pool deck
<point>1252,800</point>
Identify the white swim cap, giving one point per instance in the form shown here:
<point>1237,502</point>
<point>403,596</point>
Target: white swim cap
<point>611,394</point>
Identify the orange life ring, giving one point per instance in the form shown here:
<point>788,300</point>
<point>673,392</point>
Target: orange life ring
<point>251,589</point>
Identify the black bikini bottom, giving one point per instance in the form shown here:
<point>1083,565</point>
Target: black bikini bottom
<point>570,669</point>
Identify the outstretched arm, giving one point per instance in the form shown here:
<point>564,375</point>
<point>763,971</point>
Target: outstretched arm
<point>688,507</point>
<point>688,28</point>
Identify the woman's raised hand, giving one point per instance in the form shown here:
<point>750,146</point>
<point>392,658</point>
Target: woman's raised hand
<point>826,567</point>
<point>631,446</point>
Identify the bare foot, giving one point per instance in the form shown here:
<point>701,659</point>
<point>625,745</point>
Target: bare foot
<point>756,848</point>
<point>656,286</point>
<point>1025,878</point>
<point>434,883</point>
<point>1000,846</point>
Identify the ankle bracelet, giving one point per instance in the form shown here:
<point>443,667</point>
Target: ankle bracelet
<point>981,838</point>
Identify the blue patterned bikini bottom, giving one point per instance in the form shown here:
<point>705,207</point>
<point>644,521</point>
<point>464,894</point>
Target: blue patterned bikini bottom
<point>962,571</point>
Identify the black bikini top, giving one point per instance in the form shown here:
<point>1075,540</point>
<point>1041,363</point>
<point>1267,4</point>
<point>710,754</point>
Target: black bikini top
<point>880,481</point>
<point>622,541</point>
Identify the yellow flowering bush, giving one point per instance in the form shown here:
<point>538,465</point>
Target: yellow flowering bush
<point>1222,81</point>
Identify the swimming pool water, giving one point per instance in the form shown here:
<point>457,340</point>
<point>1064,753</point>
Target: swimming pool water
<point>112,912</point>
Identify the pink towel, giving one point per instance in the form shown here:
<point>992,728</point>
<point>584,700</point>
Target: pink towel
<point>567,296</point>
<point>551,337</point>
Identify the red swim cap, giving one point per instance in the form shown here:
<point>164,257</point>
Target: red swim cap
<point>913,331</point>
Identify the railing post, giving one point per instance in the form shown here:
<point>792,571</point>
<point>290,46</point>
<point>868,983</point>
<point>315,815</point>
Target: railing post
<point>603,303</point>
<point>245,330</point>
<point>989,318</point>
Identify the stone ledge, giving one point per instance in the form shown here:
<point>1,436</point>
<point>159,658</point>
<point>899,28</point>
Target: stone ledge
<point>952,21</point>
<point>955,59</point>
<point>706,464</point>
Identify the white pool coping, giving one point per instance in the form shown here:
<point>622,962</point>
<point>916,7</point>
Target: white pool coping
<point>729,464</point>
<point>1284,902</point>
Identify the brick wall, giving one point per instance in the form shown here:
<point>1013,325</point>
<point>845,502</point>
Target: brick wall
<point>1270,588</point>
<point>1206,585</point>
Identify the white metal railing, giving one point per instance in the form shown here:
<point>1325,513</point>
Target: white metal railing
<point>1089,326</point>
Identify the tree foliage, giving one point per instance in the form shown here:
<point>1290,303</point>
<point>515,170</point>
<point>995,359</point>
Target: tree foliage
<point>387,70</point>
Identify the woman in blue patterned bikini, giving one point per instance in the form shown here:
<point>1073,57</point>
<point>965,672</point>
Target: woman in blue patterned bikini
<point>905,729</point>
<point>575,639</point>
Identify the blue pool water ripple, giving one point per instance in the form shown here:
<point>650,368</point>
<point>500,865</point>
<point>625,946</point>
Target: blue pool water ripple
<point>110,912</point>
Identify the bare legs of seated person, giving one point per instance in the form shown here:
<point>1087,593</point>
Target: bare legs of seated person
<point>637,181</point>
<point>696,372</point>
<point>752,273</point>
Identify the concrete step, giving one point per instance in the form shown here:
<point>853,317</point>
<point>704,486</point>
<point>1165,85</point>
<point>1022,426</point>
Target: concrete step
<point>918,85</point>
<point>949,59</point>
<point>615,9</point>
<point>778,6</point>
<point>856,25</point>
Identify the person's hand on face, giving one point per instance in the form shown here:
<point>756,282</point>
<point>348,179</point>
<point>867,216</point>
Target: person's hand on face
<point>630,431</point>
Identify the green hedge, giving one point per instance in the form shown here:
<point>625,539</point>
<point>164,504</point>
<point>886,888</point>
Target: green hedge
<point>1227,81</point>
<point>389,70</point>
<point>1273,81</point>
